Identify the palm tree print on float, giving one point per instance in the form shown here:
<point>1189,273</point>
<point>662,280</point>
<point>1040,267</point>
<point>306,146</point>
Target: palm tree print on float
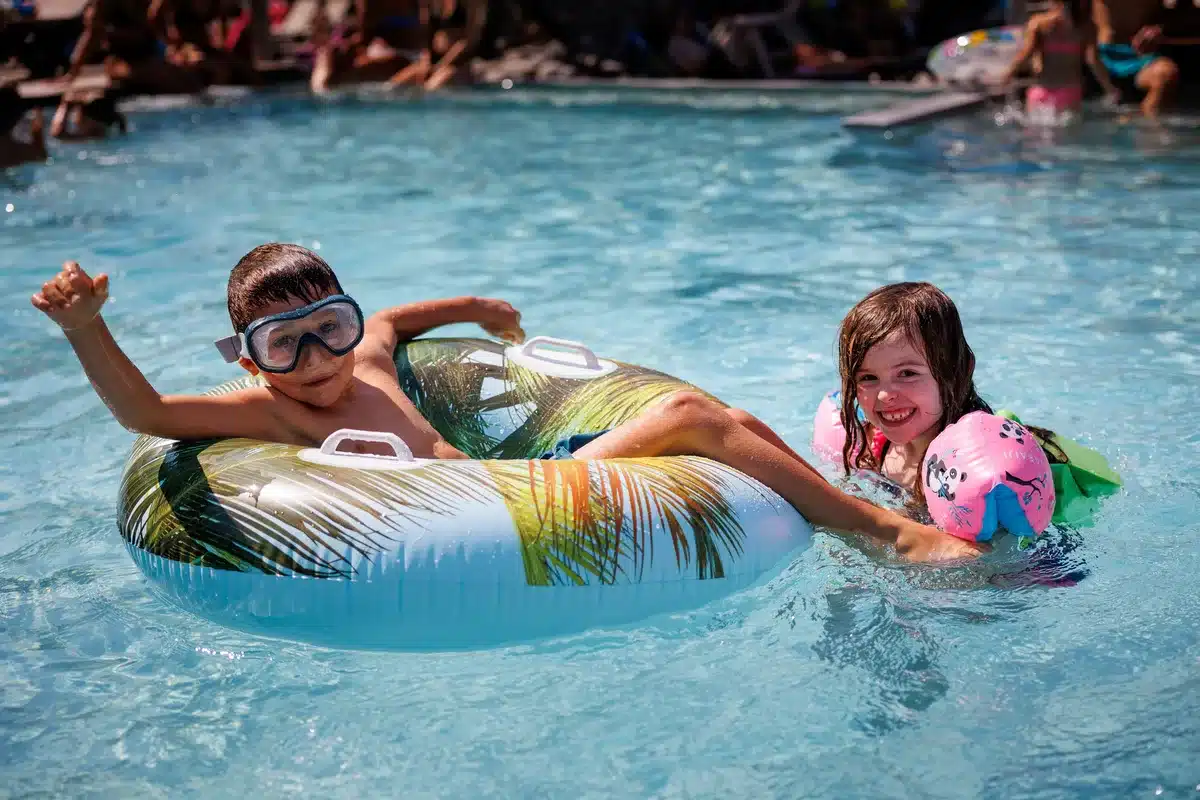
<point>253,506</point>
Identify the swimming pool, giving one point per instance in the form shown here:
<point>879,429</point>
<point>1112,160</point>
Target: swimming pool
<point>714,236</point>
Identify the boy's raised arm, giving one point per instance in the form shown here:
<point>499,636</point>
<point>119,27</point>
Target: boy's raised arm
<point>394,325</point>
<point>73,300</point>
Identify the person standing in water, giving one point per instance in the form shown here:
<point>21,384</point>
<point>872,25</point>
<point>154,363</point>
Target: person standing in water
<point>1060,41</point>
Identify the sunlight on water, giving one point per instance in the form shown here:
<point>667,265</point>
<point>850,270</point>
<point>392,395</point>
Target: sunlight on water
<point>719,239</point>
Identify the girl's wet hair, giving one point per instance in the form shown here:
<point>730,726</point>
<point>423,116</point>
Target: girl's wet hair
<point>926,316</point>
<point>277,273</point>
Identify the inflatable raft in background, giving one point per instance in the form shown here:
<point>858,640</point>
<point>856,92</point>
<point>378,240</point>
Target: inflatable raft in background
<point>393,552</point>
<point>978,57</point>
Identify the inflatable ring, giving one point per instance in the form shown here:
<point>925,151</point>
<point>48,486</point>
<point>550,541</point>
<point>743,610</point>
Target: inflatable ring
<point>978,56</point>
<point>393,552</point>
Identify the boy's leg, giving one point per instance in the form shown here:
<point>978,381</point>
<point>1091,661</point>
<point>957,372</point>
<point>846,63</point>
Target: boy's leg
<point>691,424</point>
<point>764,431</point>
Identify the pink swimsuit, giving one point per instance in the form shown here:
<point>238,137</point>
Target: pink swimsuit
<point>1060,98</point>
<point>1064,92</point>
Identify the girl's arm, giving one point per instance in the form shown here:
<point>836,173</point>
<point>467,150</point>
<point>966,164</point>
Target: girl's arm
<point>1032,43</point>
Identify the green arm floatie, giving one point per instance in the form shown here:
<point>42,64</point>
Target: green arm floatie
<point>1078,484</point>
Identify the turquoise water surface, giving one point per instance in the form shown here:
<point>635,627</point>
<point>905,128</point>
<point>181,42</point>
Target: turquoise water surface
<point>717,237</point>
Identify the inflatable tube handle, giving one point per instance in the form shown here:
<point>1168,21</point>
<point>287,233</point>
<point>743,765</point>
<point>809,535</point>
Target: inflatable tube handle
<point>334,440</point>
<point>589,358</point>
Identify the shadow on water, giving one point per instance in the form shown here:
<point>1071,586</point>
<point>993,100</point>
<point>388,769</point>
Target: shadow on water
<point>869,633</point>
<point>1056,562</point>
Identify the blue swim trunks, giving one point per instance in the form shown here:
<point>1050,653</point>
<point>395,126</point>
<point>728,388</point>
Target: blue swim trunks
<point>1122,61</point>
<point>564,449</point>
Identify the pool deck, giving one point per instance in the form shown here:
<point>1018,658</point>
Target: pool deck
<point>779,85</point>
<point>900,102</point>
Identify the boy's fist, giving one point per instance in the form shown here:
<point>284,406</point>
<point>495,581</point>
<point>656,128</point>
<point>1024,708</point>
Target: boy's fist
<point>72,298</point>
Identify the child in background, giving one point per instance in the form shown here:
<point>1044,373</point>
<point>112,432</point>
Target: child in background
<point>1060,41</point>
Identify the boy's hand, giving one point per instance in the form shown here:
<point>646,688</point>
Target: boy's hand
<point>500,320</point>
<point>72,298</point>
<point>923,543</point>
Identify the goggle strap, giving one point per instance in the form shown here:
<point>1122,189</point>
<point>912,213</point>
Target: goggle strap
<point>231,347</point>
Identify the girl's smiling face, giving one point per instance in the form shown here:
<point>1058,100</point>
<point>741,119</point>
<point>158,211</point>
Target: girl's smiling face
<point>897,391</point>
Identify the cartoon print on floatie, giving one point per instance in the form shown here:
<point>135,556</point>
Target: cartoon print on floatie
<point>985,472</point>
<point>940,479</point>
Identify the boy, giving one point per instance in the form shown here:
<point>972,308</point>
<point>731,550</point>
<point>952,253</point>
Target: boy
<point>326,368</point>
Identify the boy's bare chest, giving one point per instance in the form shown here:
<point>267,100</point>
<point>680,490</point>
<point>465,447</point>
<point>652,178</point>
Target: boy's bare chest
<point>377,405</point>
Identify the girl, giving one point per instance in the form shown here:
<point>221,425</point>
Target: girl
<point>904,361</point>
<point>1060,40</point>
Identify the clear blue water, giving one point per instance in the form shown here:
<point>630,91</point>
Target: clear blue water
<point>720,238</point>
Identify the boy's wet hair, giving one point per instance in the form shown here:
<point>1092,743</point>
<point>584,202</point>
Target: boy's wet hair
<point>277,273</point>
<point>928,318</point>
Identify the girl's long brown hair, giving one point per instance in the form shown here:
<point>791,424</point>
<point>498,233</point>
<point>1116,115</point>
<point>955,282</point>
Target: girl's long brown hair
<point>927,316</point>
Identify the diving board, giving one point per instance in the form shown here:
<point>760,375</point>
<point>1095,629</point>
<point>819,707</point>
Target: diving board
<point>910,111</point>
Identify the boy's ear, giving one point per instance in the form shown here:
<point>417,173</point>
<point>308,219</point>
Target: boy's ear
<point>248,365</point>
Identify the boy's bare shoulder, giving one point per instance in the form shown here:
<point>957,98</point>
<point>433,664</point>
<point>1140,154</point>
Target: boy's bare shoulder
<point>376,349</point>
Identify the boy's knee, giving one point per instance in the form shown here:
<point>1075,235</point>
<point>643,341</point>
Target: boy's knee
<point>743,418</point>
<point>690,408</point>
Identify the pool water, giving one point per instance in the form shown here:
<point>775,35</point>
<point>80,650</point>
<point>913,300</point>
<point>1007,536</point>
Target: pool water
<point>718,237</point>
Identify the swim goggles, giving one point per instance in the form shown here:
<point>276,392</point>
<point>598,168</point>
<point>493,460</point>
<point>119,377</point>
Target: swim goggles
<point>274,342</point>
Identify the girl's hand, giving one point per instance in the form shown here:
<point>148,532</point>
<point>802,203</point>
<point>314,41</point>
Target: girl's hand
<point>72,298</point>
<point>918,542</point>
